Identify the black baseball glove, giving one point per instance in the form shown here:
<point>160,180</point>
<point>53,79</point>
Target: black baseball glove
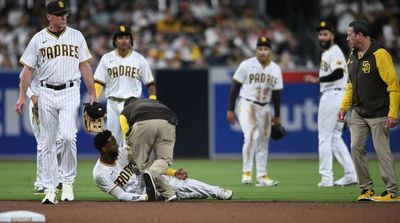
<point>277,132</point>
<point>94,117</point>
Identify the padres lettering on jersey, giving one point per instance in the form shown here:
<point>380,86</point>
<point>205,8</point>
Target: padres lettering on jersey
<point>124,176</point>
<point>126,71</point>
<point>262,78</point>
<point>51,52</point>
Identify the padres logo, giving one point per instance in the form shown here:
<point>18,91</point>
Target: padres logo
<point>122,28</point>
<point>61,4</point>
<point>366,67</point>
<point>263,39</point>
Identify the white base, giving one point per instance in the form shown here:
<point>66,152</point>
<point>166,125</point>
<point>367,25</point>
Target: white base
<point>21,216</point>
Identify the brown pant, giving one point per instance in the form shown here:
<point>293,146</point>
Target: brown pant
<point>360,128</point>
<point>158,136</point>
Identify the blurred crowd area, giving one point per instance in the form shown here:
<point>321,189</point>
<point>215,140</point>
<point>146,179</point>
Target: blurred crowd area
<point>196,33</point>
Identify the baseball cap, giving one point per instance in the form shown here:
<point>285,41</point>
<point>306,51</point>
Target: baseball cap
<point>122,30</point>
<point>95,110</point>
<point>263,41</point>
<point>57,7</point>
<point>325,25</point>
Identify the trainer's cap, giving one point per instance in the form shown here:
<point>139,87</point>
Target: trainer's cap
<point>57,7</point>
<point>325,25</point>
<point>95,110</point>
<point>264,41</point>
<point>101,139</point>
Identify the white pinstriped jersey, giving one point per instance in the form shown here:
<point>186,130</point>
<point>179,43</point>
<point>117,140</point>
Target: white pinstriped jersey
<point>331,60</point>
<point>258,82</point>
<point>123,75</point>
<point>56,58</point>
<point>121,174</point>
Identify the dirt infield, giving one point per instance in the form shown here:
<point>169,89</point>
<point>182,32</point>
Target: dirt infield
<point>210,212</point>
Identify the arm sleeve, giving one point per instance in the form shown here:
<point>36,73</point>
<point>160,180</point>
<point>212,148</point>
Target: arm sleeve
<point>98,87</point>
<point>120,194</point>
<point>335,75</point>
<point>388,74</point>
<point>233,95</point>
<point>170,172</point>
<point>276,99</point>
<point>124,125</point>
<point>348,97</point>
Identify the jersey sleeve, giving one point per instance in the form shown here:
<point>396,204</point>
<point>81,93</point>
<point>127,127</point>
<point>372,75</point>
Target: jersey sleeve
<point>84,53</point>
<point>240,73</point>
<point>337,60</point>
<point>29,57</point>
<point>279,79</point>
<point>101,71</point>
<point>147,76</point>
<point>102,182</point>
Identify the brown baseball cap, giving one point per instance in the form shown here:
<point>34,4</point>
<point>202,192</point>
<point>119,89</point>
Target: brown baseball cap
<point>57,7</point>
<point>264,41</point>
<point>325,25</point>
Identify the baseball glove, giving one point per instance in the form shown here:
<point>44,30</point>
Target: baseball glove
<point>277,132</point>
<point>93,115</point>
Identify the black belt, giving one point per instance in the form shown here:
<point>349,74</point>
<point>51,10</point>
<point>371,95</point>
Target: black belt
<point>256,102</point>
<point>338,89</point>
<point>57,87</point>
<point>117,99</point>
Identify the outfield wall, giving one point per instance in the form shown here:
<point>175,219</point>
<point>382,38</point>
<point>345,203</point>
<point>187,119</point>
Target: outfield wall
<point>199,97</point>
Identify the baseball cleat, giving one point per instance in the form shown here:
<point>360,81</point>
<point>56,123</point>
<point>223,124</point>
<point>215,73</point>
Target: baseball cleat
<point>50,198</point>
<point>39,191</point>
<point>325,184</point>
<point>265,181</point>
<point>172,198</point>
<point>225,195</point>
<point>387,197</point>
<point>150,186</point>
<point>67,193</point>
<point>345,181</point>
<point>366,195</point>
<point>246,177</point>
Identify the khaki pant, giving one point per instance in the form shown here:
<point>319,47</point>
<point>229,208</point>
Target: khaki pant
<point>158,136</point>
<point>360,129</point>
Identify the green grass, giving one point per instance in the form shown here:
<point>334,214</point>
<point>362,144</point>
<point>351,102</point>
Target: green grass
<point>298,180</point>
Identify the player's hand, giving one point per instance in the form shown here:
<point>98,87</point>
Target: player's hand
<point>391,122</point>
<point>181,174</point>
<point>19,108</point>
<point>92,98</point>
<point>230,117</point>
<point>35,100</point>
<point>276,121</point>
<point>341,115</point>
<point>310,79</point>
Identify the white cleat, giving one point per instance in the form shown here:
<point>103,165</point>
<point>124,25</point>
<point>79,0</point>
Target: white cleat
<point>246,178</point>
<point>345,181</point>
<point>266,182</point>
<point>67,193</point>
<point>50,198</point>
<point>325,184</point>
<point>225,195</point>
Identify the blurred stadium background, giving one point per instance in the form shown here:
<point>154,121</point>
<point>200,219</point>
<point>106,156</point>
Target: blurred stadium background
<point>193,47</point>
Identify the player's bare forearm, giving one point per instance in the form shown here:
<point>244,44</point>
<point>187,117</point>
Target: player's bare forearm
<point>151,89</point>
<point>230,117</point>
<point>276,120</point>
<point>26,78</point>
<point>87,76</point>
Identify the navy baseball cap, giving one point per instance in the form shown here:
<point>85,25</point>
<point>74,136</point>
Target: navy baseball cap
<point>325,25</point>
<point>264,41</point>
<point>57,7</point>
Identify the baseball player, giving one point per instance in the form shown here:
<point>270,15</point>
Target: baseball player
<point>32,94</point>
<point>123,71</point>
<point>333,78</point>
<point>114,174</point>
<point>60,55</point>
<point>259,80</point>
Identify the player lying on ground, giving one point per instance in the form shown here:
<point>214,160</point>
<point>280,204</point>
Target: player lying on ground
<point>115,175</point>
